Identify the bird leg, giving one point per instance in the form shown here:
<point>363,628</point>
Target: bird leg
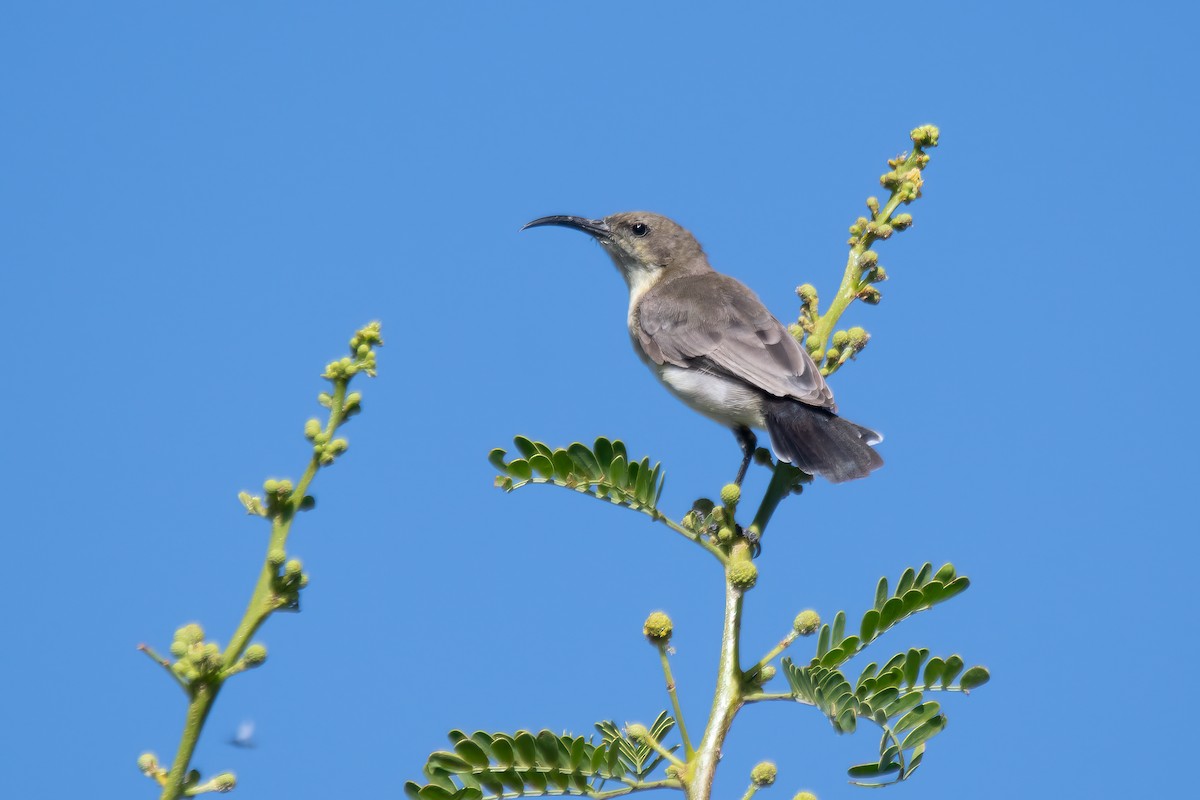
<point>748,441</point>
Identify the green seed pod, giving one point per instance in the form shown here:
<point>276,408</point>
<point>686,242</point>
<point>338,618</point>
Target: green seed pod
<point>743,575</point>
<point>763,773</point>
<point>658,628</point>
<point>807,622</point>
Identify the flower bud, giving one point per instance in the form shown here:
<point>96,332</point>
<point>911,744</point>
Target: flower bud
<point>873,205</point>
<point>742,574</point>
<point>902,221</point>
<point>658,628</point>
<point>731,493</point>
<point>763,773</point>
<point>805,796</point>
<point>868,259</point>
<point>840,338</point>
<point>225,782</point>
<point>807,622</point>
<point>636,731</point>
<point>147,762</point>
<point>925,136</point>
<point>276,557</point>
<point>807,293</point>
<point>766,674</point>
<point>255,655</point>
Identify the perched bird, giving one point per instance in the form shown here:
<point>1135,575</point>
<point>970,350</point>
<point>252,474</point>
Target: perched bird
<point>716,347</point>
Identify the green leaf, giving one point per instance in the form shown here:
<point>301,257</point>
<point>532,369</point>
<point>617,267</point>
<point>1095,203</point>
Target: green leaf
<point>912,600</point>
<point>881,594</point>
<point>526,747</point>
<point>496,459</point>
<point>519,468</point>
<point>954,587</point>
<point>933,671</point>
<point>907,579</point>
<point>604,452</point>
<point>924,732</point>
<point>525,446</point>
<point>564,465</point>
<point>872,770</point>
<point>923,574</point>
<point>890,613</point>
<point>833,657</point>
<point>542,465</point>
<point>954,665</point>
<point>945,574</point>
<point>918,716</point>
<point>839,626</point>
<point>903,705</point>
<point>586,459</point>
<point>849,645</point>
<point>974,677</point>
<point>912,665</point>
<point>472,753</point>
<point>823,641</point>
<point>617,471</point>
<point>548,748</point>
<point>870,624</point>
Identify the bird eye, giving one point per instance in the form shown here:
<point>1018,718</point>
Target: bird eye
<point>640,229</point>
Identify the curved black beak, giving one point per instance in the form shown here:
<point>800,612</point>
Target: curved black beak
<point>593,227</point>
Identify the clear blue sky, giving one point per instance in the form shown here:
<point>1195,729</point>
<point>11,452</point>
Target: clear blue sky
<point>201,201</point>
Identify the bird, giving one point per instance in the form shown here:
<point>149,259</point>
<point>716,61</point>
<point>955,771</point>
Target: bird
<point>714,345</point>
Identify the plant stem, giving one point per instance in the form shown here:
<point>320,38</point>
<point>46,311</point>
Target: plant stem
<point>782,480</point>
<point>729,693</point>
<point>262,604</point>
<point>760,697</point>
<point>784,644</point>
<point>750,791</point>
<point>688,750</point>
<point>636,787</point>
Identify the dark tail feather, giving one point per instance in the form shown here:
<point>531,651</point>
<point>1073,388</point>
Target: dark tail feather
<point>820,442</point>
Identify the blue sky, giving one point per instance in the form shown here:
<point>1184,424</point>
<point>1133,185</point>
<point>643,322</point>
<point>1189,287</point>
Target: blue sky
<point>201,201</point>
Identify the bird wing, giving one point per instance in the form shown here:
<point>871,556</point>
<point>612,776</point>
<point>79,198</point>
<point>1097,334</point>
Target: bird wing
<point>738,337</point>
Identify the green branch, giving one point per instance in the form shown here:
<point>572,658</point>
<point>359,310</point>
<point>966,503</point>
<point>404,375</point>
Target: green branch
<point>202,667</point>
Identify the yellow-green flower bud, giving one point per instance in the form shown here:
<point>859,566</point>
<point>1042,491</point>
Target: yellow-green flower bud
<point>190,634</point>
<point>763,773</point>
<point>807,293</point>
<point>873,205</point>
<point>731,493</point>
<point>270,486</point>
<point>840,338</point>
<point>796,331</point>
<point>255,655</point>
<point>658,628</point>
<point>766,674</point>
<point>807,622</point>
<point>178,648</point>
<point>868,259</point>
<point>147,762</point>
<point>636,731</point>
<point>925,136</point>
<point>812,344</point>
<point>293,567</point>
<point>312,428</point>
<point>870,295</point>
<point>276,557</point>
<point>889,180</point>
<point>833,353</point>
<point>805,796</point>
<point>725,534</point>
<point>673,771</point>
<point>857,338</point>
<point>902,221</point>
<point>743,575</point>
<point>883,231</point>
<point>362,350</point>
<point>338,446</point>
<point>225,782</point>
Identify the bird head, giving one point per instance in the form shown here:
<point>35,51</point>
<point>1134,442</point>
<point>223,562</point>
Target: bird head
<point>644,246</point>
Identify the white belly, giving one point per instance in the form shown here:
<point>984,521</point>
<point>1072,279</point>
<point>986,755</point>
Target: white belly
<point>728,402</point>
